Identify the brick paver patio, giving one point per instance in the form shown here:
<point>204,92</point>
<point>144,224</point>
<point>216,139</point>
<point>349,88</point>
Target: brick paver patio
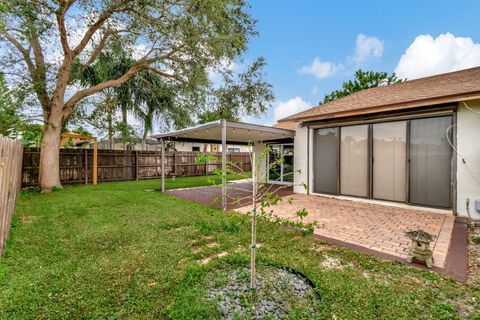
<point>374,226</point>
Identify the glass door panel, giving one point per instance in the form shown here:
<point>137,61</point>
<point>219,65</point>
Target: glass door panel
<point>430,162</point>
<point>274,170</point>
<point>282,171</point>
<point>287,163</point>
<point>354,160</point>
<point>390,161</point>
<point>325,161</point>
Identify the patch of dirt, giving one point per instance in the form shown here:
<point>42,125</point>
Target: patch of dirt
<point>206,260</point>
<point>222,254</point>
<point>320,247</point>
<point>213,244</point>
<point>151,283</point>
<point>474,257</point>
<point>330,262</point>
<point>218,255</point>
<point>197,249</point>
<point>27,219</point>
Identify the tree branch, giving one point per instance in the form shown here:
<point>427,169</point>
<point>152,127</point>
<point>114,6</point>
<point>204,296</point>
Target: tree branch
<point>60,14</point>
<point>79,95</point>
<point>94,27</point>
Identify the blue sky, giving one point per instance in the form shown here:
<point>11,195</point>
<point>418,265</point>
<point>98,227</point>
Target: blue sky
<point>311,47</point>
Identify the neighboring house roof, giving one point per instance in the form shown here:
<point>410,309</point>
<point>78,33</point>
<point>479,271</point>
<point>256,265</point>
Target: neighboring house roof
<point>439,89</point>
<point>290,125</point>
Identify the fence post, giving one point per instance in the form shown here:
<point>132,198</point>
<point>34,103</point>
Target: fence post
<point>136,165</point>
<point>85,164</point>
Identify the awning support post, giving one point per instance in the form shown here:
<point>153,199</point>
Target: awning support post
<point>224,164</point>
<point>162,145</point>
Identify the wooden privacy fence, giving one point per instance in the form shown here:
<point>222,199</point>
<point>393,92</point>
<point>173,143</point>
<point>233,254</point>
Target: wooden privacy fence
<point>10,182</point>
<point>117,165</point>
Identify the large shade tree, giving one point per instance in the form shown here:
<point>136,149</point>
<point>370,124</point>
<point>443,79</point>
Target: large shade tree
<point>178,39</point>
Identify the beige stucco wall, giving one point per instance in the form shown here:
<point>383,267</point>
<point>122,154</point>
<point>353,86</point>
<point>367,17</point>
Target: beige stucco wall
<point>258,149</point>
<point>468,146</point>
<point>301,175</point>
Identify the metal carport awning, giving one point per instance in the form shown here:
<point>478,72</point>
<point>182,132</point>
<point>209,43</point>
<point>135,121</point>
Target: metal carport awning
<point>223,132</point>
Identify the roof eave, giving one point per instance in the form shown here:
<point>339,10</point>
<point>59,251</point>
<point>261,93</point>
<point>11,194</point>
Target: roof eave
<point>390,107</point>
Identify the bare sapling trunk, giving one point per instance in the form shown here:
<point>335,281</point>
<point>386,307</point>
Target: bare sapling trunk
<point>49,174</point>
<point>253,245</point>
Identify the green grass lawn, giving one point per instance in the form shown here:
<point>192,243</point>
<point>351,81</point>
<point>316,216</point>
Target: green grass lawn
<point>117,251</point>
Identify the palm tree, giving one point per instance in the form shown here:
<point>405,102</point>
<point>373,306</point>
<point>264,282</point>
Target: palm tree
<point>153,99</point>
<point>109,65</point>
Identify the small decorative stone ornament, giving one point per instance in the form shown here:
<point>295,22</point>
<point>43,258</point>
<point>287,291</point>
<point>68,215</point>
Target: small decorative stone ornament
<point>420,249</point>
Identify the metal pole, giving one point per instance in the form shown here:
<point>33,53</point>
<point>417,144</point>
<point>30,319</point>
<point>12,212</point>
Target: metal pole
<point>162,143</point>
<point>224,164</point>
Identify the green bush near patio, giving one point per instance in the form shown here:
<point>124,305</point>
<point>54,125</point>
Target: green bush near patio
<point>117,251</point>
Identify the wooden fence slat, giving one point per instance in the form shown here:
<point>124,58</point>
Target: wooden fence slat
<point>11,153</point>
<point>76,165</point>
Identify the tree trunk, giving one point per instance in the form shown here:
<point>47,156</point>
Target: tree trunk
<point>49,174</point>
<point>124,116</point>
<point>144,139</point>
<point>110,124</point>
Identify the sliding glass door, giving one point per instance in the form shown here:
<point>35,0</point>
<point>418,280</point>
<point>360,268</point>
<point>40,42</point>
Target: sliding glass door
<point>430,162</point>
<point>389,161</point>
<point>326,161</point>
<point>405,161</point>
<point>354,160</point>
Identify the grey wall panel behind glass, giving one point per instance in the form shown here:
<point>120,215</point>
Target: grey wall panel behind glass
<point>325,160</point>
<point>390,160</point>
<point>354,160</point>
<point>430,162</point>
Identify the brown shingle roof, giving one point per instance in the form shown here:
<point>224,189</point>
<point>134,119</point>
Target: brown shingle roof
<point>290,125</point>
<point>432,90</point>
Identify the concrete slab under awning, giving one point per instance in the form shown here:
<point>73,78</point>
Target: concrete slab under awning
<point>225,132</point>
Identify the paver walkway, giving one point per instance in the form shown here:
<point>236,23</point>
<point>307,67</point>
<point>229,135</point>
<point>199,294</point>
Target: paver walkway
<point>377,227</point>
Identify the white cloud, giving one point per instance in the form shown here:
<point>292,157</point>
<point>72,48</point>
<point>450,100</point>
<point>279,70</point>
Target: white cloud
<point>321,69</point>
<point>292,106</point>
<point>367,48</point>
<point>428,56</point>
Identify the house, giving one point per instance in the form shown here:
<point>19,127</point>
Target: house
<point>414,143</point>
